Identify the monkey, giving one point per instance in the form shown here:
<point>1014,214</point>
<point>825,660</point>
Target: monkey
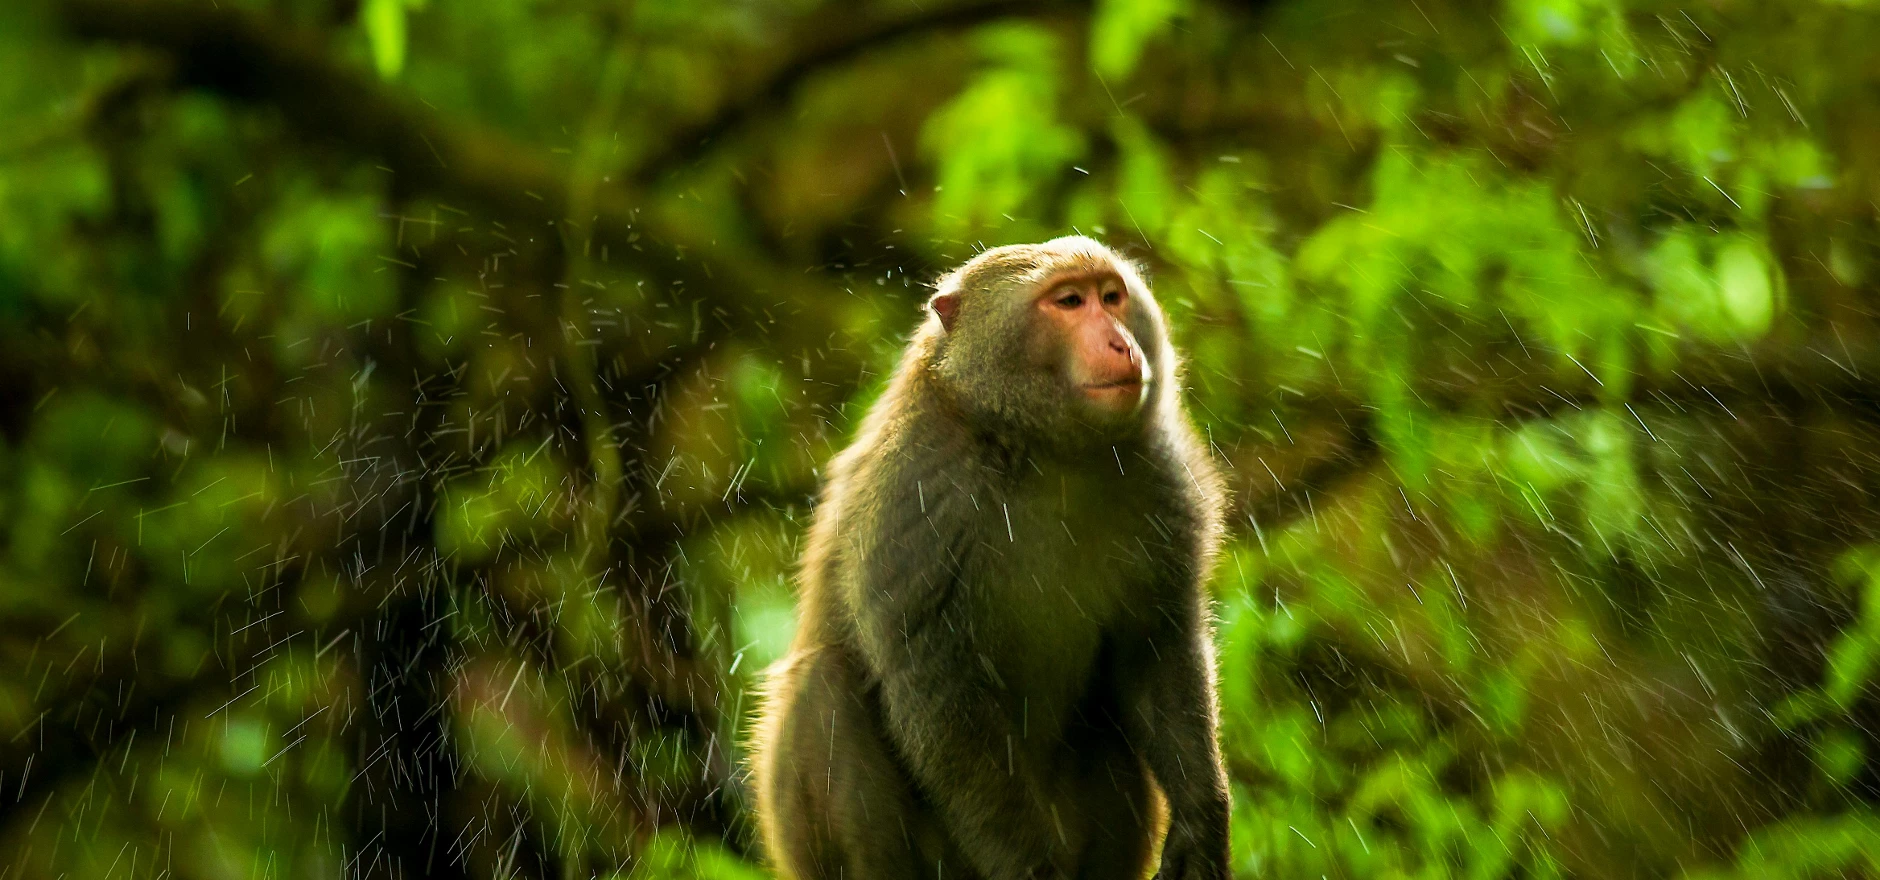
<point>1002,667</point>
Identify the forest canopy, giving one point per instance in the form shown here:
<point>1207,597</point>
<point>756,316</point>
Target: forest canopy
<point>410,411</point>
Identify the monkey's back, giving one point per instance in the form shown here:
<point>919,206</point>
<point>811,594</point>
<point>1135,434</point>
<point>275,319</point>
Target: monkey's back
<point>819,693</point>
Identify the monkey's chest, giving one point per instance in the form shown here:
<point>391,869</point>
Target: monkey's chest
<point>1066,577</point>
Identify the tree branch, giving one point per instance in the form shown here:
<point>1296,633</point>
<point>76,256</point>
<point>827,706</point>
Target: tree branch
<point>825,40</point>
<point>242,57</point>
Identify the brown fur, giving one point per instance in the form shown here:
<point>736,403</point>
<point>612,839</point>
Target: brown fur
<point>1003,648</point>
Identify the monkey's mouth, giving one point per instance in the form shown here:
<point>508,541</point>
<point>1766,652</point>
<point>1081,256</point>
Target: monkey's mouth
<point>1120,388</point>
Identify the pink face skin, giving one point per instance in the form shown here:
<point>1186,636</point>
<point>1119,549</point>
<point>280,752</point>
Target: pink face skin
<point>1104,361</point>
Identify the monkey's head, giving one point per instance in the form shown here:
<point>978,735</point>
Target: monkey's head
<point>1060,342</point>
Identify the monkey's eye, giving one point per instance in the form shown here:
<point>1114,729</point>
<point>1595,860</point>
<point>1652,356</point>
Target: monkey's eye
<point>1112,297</point>
<point>1070,300</point>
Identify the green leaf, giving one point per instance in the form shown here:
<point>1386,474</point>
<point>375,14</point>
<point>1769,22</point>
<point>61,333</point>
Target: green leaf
<point>999,141</point>
<point>1748,296</point>
<point>1122,28</point>
<point>245,744</point>
<point>1850,665</point>
<point>330,249</point>
<point>1839,754</point>
<point>1144,186</point>
<point>384,22</point>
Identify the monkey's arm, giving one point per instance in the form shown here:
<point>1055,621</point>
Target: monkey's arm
<point>1169,716</point>
<point>944,712</point>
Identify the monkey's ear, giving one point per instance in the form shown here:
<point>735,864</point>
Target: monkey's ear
<point>947,306</point>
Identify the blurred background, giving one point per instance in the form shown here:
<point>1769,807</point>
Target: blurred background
<point>410,411</point>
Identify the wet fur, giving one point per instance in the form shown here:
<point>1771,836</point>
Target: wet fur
<point>1003,650</point>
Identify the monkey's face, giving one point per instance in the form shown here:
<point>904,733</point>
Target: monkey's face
<point>1079,319</point>
<point>1058,343</point>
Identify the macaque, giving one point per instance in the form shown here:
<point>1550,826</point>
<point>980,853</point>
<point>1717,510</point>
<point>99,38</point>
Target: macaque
<point>1003,668</point>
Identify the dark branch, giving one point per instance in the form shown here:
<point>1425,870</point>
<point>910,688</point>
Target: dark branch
<point>825,40</point>
<point>242,57</point>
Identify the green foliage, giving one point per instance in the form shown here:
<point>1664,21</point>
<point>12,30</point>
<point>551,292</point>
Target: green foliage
<point>1121,29</point>
<point>325,250</point>
<point>997,142</point>
<point>428,493</point>
<point>385,26</point>
<point>517,494</point>
<point>1845,845</point>
<point>678,856</point>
